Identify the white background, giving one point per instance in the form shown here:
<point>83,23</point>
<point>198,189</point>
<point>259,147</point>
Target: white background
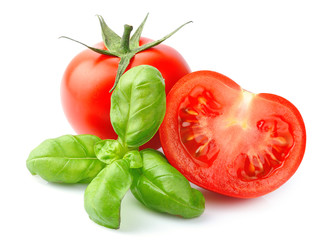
<point>265,46</point>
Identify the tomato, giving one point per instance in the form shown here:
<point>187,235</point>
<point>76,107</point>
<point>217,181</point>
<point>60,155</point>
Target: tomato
<point>90,75</point>
<point>228,140</point>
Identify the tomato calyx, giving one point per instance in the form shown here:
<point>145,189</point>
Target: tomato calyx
<point>125,47</point>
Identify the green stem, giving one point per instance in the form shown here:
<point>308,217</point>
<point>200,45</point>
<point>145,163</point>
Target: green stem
<point>124,47</point>
<point>124,44</point>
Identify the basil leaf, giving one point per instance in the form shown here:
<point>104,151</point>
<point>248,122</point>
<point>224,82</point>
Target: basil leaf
<point>138,105</point>
<point>134,158</point>
<point>103,196</point>
<point>66,159</point>
<point>109,150</point>
<point>161,187</point>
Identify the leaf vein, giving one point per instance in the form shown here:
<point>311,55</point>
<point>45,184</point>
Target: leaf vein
<point>147,106</point>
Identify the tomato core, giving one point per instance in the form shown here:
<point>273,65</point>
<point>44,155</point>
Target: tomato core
<point>212,130</point>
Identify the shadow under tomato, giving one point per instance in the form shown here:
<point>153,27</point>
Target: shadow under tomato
<point>214,199</point>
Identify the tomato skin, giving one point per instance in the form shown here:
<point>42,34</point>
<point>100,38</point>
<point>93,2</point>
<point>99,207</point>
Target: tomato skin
<point>226,173</point>
<point>89,77</point>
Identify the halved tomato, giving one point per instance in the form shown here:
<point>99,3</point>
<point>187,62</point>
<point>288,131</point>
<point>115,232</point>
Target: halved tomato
<point>228,140</point>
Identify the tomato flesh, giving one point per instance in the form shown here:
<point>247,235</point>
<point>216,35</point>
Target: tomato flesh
<point>230,140</point>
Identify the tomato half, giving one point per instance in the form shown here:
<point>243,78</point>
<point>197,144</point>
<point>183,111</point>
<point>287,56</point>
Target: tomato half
<point>228,140</point>
<point>90,75</point>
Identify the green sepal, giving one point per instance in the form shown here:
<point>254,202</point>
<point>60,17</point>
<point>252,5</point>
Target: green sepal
<point>109,37</point>
<point>157,42</point>
<point>134,41</point>
<point>97,50</point>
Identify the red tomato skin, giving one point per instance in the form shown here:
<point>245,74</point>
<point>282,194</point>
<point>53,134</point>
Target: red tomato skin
<point>217,179</point>
<point>89,76</point>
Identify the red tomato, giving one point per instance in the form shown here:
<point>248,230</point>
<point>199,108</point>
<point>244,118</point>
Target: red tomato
<point>229,140</point>
<point>89,77</point>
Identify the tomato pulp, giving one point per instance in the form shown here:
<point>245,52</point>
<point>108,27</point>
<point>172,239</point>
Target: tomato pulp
<point>90,75</point>
<point>228,140</point>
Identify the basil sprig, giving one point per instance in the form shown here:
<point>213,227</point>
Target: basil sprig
<point>114,166</point>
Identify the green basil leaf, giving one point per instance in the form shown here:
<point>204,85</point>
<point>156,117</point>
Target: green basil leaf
<point>135,159</point>
<point>138,105</point>
<point>109,150</point>
<point>66,159</point>
<point>103,196</point>
<point>161,187</point>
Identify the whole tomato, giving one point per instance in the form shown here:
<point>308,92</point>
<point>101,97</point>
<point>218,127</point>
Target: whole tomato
<point>90,76</point>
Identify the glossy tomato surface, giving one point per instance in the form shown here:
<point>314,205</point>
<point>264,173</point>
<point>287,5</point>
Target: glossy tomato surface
<point>90,75</point>
<point>228,140</point>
